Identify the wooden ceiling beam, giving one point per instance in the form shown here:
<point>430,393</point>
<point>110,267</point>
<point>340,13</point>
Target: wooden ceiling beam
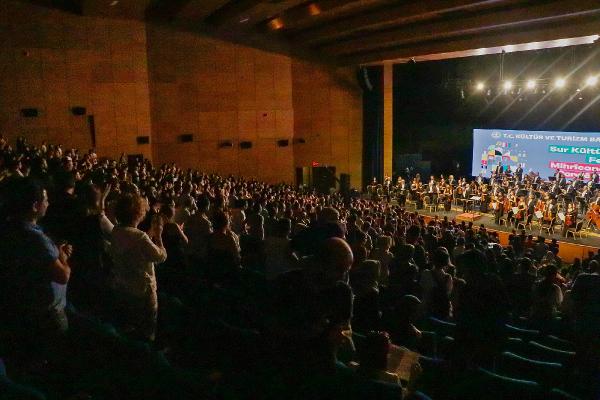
<point>231,12</point>
<point>575,28</point>
<point>319,11</point>
<point>165,10</point>
<point>553,12</point>
<point>198,10</point>
<point>402,14</point>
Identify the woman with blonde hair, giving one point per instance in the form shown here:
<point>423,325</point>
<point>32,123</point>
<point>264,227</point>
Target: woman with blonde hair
<point>134,254</point>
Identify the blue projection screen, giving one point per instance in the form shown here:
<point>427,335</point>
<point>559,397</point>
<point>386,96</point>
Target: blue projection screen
<point>537,151</point>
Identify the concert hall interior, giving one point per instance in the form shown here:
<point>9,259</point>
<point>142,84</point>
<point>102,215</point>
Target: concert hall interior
<point>299,199</point>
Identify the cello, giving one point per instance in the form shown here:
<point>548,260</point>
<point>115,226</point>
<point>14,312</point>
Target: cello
<point>593,214</point>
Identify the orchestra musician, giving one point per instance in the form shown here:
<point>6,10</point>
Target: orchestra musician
<point>466,195</point>
<point>519,173</point>
<point>510,196</point>
<point>402,191</point>
<point>593,213</point>
<point>497,206</point>
<point>570,218</point>
<point>520,214</point>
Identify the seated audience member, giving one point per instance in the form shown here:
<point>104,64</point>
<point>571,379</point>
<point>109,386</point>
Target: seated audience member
<point>437,285</point>
<point>546,299</point>
<point>34,272</point>
<point>278,253</point>
<point>134,254</point>
<point>519,287</point>
<point>364,281</point>
<point>585,295</point>
<point>223,248</point>
<point>382,254</point>
<point>252,242</point>
<point>482,310</point>
<point>399,318</point>
<point>198,229</point>
<point>373,356</point>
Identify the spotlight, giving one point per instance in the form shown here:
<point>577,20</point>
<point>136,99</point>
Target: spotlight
<point>507,85</point>
<point>591,81</point>
<point>560,83</point>
<point>530,84</point>
<point>479,86</point>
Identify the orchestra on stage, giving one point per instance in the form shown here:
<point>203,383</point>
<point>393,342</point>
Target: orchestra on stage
<point>512,197</point>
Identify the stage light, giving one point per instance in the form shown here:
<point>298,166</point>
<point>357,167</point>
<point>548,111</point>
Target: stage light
<point>479,86</point>
<point>560,83</point>
<point>530,84</point>
<point>507,85</point>
<point>275,24</point>
<point>591,81</point>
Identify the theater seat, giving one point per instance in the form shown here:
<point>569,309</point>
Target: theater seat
<point>557,394</point>
<point>516,345</point>
<point>545,373</point>
<point>441,327</point>
<point>540,352</point>
<point>445,346</point>
<point>557,343</point>
<point>529,334</point>
<point>14,391</point>
<point>483,384</point>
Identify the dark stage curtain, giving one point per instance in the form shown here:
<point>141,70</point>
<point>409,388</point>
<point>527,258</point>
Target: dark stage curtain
<point>372,124</point>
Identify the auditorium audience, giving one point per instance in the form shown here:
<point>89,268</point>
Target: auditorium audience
<point>258,291</point>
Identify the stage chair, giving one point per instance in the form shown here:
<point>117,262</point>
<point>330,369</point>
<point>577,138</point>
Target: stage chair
<point>535,222</point>
<point>587,228</point>
<point>429,205</point>
<point>576,230</point>
<point>526,222</point>
<point>548,227</point>
<point>410,201</point>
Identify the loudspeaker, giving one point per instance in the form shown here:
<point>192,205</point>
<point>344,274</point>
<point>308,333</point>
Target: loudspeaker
<point>186,138</point>
<point>29,112</point>
<point>142,139</point>
<point>283,143</point>
<point>78,110</point>
<point>225,143</point>
<point>245,145</point>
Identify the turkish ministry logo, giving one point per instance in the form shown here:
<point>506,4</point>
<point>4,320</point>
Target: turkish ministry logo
<point>496,135</point>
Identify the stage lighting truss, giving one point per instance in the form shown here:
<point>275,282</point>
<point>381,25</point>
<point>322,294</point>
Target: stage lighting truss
<point>523,88</point>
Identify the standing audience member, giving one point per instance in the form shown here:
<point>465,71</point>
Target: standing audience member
<point>134,254</point>
<point>34,273</point>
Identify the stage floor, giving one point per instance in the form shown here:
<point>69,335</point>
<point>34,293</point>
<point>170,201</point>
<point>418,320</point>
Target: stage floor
<point>593,240</point>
